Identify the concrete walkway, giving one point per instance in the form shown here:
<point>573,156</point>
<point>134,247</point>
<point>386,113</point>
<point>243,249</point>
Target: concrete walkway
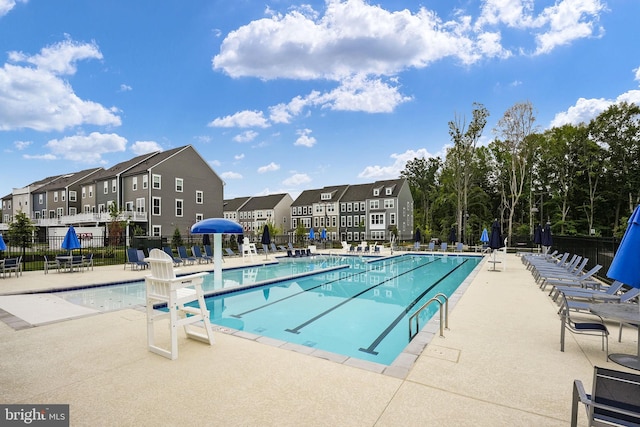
<point>499,365</point>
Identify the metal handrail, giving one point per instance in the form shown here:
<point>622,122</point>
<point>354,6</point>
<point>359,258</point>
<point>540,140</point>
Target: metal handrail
<point>444,318</point>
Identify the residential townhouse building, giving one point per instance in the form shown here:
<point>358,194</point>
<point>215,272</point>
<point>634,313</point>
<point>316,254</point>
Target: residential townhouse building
<point>19,200</point>
<point>318,208</point>
<point>357,212</point>
<point>157,192</point>
<point>260,210</point>
<point>233,206</point>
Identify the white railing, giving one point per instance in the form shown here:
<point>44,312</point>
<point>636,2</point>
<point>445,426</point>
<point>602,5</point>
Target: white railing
<point>85,218</point>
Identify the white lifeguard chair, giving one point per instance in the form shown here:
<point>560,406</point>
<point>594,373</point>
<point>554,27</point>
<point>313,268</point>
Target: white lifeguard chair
<point>162,286</point>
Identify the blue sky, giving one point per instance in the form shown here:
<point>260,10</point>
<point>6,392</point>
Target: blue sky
<point>283,96</point>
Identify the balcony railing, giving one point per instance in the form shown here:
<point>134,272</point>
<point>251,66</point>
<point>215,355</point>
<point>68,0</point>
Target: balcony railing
<point>89,218</point>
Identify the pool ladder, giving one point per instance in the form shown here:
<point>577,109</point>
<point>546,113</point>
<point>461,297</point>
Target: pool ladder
<point>442,300</point>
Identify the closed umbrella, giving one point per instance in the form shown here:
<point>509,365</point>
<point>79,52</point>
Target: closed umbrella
<point>206,241</point>
<point>452,235</point>
<point>418,239</point>
<point>537,235</point>
<point>323,234</point>
<point>495,240</point>
<point>266,239</point>
<point>546,240</point>
<point>71,241</point>
<point>484,238</point>
<point>312,234</point>
<point>3,246</point>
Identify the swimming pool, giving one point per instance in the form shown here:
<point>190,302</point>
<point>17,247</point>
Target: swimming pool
<point>352,306</point>
<point>361,310</point>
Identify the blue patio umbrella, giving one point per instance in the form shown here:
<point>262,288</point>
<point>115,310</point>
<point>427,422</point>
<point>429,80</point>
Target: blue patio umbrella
<point>323,234</point>
<point>624,266</point>
<point>484,238</point>
<point>546,239</point>
<point>495,239</point>
<point>71,241</point>
<point>3,246</point>
<point>312,234</point>
<point>217,227</point>
<point>537,235</point>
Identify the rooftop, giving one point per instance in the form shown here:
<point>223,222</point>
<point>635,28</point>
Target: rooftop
<point>499,364</point>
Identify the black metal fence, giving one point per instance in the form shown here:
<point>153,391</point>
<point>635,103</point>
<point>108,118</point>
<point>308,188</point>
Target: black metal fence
<point>599,250</point>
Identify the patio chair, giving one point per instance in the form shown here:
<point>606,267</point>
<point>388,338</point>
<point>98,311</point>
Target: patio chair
<point>586,325</point>
<point>178,293</point>
<point>77,262</point>
<point>133,261</point>
<point>432,246</point>
<point>88,260</point>
<point>581,302</point>
<point>613,399</point>
<point>12,265</point>
<point>197,253</point>
<point>443,247</point>
<point>273,247</point>
<point>51,263</point>
<point>230,252</point>
<point>459,247</point>
<point>186,259</point>
<point>167,250</point>
<point>345,246</point>
<point>584,281</point>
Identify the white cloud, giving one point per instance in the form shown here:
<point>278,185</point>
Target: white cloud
<point>36,97</point>
<point>239,156</point>
<point>144,147</point>
<point>87,148</point>
<point>271,167</point>
<point>304,139</point>
<point>125,88</point>
<point>230,175</point>
<point>21,145</point>
<point>39,157</point>
<point>586,109</point>
<point>297,179</point>
<point>393,170</point>
<point>246,136</point>
<point>241,119</point>
<point>7,5</point>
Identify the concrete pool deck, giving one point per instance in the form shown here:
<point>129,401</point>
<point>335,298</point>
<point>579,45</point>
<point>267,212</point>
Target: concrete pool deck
<point>499,364</point>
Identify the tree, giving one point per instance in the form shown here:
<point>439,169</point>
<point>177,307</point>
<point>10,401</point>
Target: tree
<point>21,231</point>
<point>176,239</point>
<point>514,130</point>
<point>422,176</point>
<point>460,159</point>
<point>116,227</point>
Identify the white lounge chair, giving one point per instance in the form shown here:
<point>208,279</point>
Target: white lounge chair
<point>163,287</point>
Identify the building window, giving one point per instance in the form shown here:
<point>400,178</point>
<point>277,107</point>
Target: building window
<point>91,191</point>
<point>113,186</point>
<point>40,198</point>
<point>106,188</point>
<point>179,185</point>
<point>140,205</point>
<point>349,207</point>
<point>128,206</point>
<point>376,191</point>
<point>388,191</point>
<point>157,230</point>
<point>55,197</point>
<point>389,203</point>
<point>199,217</point>
<point>392,219</point>
<point>199,197</point>
<point>374,204</point>
<point>87,208</point>
<point>156,182</point>
<point>134,183</point>
<point>72,196</point>
<point>377,219</point>
<point>84,193</point>
<point>62,195</point>
<point>179,207</point>
<point>59,212</point>
<point>101,208</point>
<point>156,206</point>
<point>145,182</point>
<point>73,211</point>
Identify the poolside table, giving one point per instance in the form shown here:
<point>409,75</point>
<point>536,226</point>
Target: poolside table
<point>622,312</point>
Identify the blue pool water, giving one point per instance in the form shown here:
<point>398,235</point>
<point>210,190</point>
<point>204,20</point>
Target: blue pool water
<point>357,307</point>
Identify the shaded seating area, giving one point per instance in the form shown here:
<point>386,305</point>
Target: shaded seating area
<point>614,399</point>
<point>175,298</point>
<point>134,261</point>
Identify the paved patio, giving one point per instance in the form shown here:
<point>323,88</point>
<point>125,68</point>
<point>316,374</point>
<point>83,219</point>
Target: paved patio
<point>499,365</point>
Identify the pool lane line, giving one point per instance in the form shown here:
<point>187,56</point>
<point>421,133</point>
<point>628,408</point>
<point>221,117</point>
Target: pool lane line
<point>296,330</point>
<point>377,341</point>
<point>355,273</point>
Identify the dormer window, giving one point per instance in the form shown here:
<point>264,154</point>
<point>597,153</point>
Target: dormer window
<point>376,191</point>
<point>325,196</point>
